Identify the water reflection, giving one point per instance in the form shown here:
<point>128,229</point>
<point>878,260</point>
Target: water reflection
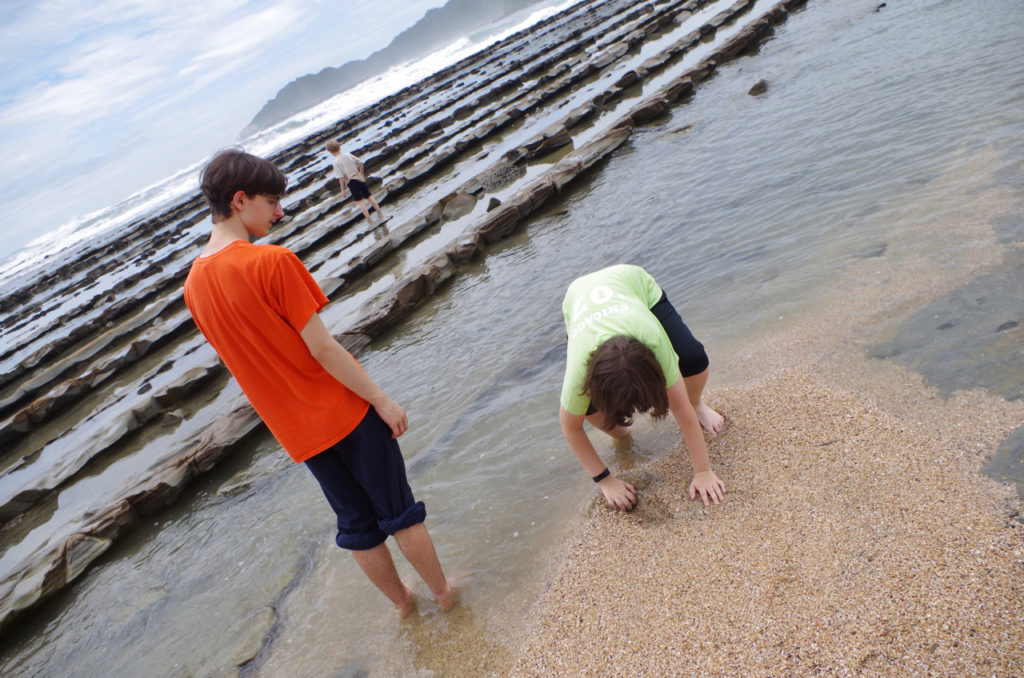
<point>749,211</point>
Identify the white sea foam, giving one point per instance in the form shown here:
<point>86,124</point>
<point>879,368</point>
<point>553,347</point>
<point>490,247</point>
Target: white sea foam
<point>107,223</point>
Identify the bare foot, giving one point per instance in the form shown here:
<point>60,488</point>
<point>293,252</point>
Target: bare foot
<point>457,581</point>
<point>711,421</point>
<point>406,608</point>
<point>447,600</point>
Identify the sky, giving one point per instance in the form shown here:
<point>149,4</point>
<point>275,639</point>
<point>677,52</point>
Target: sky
<point>102,98</point>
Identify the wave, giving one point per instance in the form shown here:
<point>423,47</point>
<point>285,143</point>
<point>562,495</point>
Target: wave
<point>105,224</point>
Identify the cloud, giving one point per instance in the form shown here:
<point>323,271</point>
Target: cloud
<point>237,41</point>
<point>102,79</point>
<point>103,98</point>
<point>109,55</point>
<point>80,75</point>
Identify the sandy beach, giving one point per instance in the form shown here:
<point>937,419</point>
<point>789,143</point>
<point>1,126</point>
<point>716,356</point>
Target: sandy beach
<point>858,537</point>
<point>852,542</point>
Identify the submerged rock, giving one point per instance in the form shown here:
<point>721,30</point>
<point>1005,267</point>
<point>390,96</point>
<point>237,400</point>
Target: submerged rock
<point>457,206</point>
<point>418,140</point>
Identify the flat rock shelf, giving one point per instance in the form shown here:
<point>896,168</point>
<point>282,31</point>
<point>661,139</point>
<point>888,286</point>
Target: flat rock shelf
<point>107,388</point>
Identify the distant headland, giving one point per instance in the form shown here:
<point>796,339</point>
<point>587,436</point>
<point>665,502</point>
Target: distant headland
<point>439,26</point>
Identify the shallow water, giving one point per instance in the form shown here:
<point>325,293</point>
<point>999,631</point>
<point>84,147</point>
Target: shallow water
<point>879,130</point>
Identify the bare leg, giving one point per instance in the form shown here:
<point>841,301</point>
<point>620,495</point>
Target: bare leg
<point>711,421</point>
<point>366,212</point>
<point>597,420</point>
<point>377,564</point>
<point>375,206</point>
<point>419,550</point>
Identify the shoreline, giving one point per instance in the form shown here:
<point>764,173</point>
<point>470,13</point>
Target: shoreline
<point>859,532</point>
<point>851,539</point>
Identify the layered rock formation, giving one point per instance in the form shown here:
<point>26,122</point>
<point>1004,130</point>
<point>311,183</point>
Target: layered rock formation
<point>437,28</point>
<point>106,388</point>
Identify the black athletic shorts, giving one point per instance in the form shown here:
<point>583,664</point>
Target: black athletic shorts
<point>693,359</point>
<point>358,189</point>
<point>363,478</point>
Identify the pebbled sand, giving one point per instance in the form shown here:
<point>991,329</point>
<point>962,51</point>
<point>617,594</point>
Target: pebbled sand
<point>858,536</point>
<point>853,541</point>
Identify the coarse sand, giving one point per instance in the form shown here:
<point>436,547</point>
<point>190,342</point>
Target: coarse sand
<point>852,541</point>
<point>858,535</point>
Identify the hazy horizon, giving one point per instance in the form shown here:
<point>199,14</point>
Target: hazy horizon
<point>99,102</point>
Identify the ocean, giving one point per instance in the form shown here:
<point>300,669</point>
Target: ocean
<point>105,224</point>
<point>888,141</point>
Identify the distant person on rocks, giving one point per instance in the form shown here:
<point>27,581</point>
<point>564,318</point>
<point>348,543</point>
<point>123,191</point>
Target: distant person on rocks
<point>629,352</point>
<point>258,306</point>
<point>351,174</point>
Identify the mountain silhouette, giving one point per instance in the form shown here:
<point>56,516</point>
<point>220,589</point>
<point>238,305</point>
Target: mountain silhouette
<point>439,26</point>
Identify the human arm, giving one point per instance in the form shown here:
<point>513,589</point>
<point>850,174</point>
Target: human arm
<point>340,364</point>
<point>704,480</point>
<point>619,494</point>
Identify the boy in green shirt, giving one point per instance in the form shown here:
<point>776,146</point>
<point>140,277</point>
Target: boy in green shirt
<point>629,351</point>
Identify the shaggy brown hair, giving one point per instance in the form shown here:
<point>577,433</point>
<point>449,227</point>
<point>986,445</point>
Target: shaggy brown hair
<point>623,378</point>
<point>233,170</point>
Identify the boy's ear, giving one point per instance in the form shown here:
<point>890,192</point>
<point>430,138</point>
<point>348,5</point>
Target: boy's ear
<point>238,200</point>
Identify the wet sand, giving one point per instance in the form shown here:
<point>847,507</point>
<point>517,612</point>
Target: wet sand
<point>852,541</point>
<point>858,537</point>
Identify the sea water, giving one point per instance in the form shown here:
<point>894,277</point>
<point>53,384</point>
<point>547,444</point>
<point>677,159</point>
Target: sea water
<point>878,131</point>
<point>104,225</point>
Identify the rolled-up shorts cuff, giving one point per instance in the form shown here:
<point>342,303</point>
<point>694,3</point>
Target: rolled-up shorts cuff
<point>416,513</point>
<point>360,541</point>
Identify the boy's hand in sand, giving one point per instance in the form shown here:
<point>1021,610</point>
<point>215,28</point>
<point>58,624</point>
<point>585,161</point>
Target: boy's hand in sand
<point>622,496</point>
<point>709,486</point>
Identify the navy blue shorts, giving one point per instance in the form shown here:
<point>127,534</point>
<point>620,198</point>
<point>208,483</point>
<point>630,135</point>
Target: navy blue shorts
<point>358,189</point>
<point>363,478</point>
<point>693,359</point>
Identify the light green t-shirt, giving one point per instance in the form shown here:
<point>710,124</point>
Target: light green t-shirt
<point>610,302</point>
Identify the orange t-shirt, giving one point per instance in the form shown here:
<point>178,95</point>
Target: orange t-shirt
<point>251,302</point>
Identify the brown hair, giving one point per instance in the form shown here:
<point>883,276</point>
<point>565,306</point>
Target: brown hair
<point>623,378</point>
<point>233,170</point>
<point>332,146</point>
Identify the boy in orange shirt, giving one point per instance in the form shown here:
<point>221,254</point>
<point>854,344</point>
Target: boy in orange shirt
<point>258,306</point>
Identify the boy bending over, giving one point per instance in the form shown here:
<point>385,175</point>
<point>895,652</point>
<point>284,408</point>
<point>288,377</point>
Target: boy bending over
<point>629,351</point>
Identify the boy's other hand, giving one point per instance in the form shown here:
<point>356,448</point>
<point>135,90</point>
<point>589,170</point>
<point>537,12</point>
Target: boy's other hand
<point>709,487</point>
<point>621,496</point>
<point>393,415</point>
